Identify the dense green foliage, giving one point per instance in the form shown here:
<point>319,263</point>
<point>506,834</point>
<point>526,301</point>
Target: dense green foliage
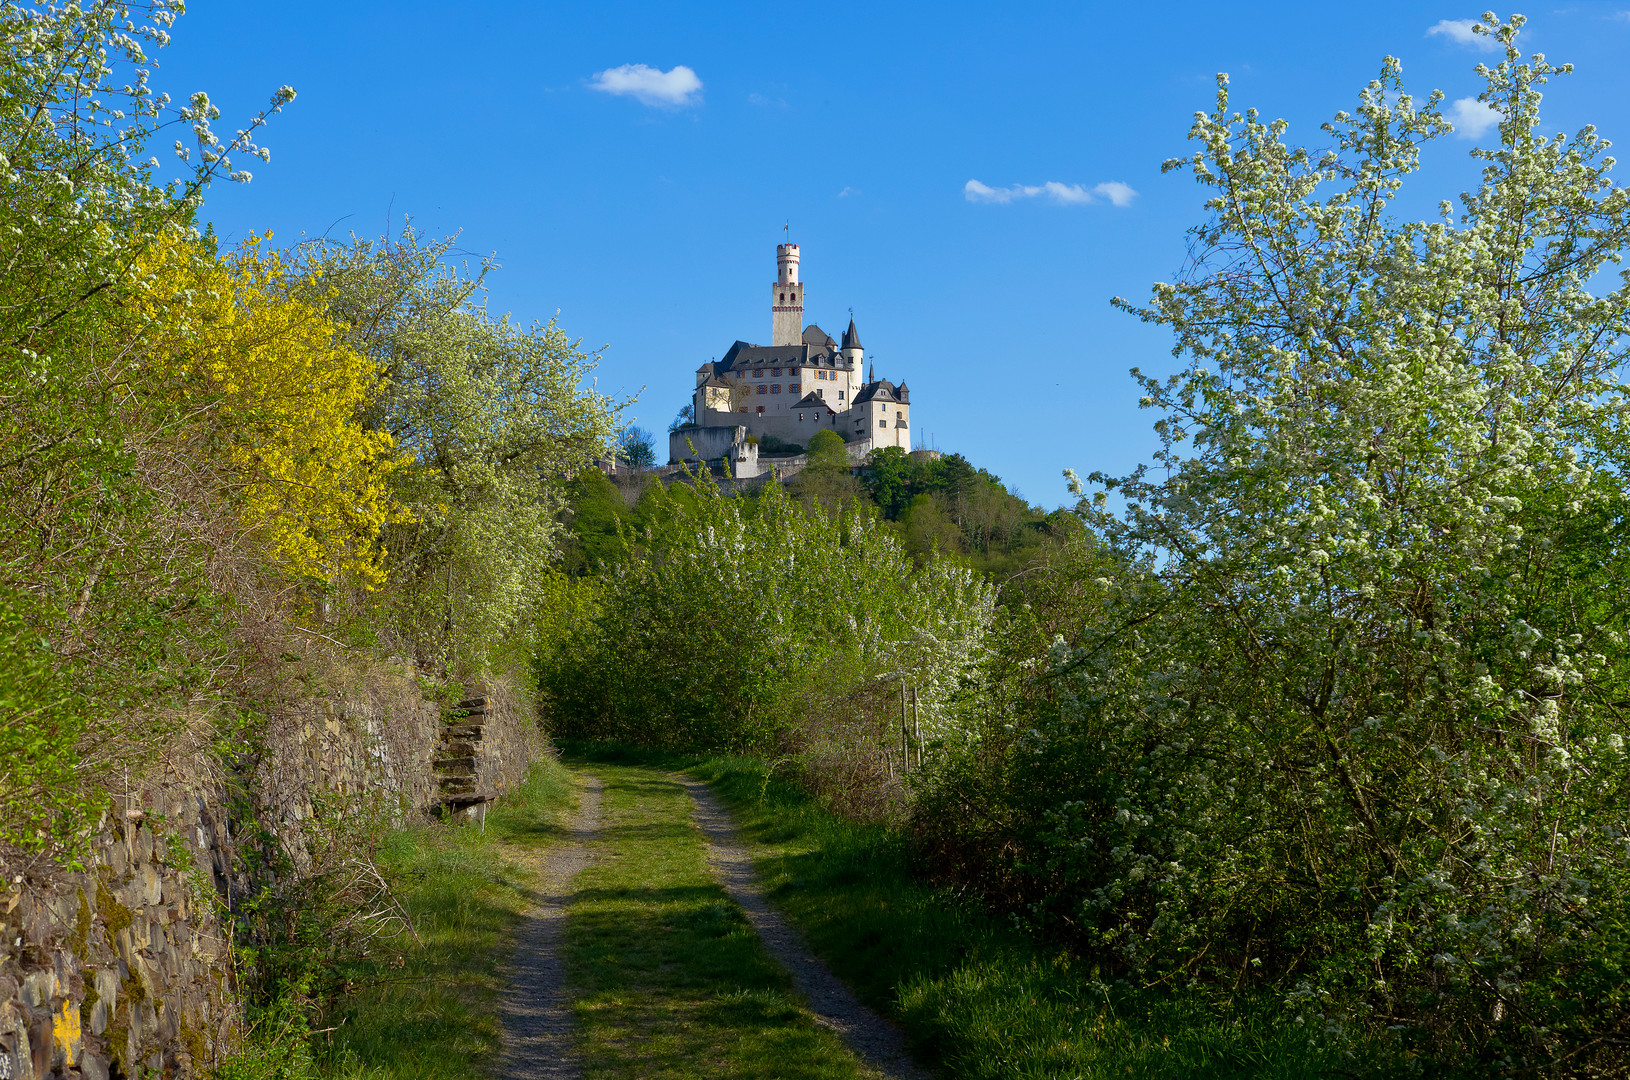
<point>947,504</point>
<point>199,448</point>
<point>719,628</point>
<point>105,603</point>
<point>934,506</point>
<point>1339,716</point>
<point>492,417</point>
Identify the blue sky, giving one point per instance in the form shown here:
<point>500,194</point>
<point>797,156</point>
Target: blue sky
<point>645,208</point>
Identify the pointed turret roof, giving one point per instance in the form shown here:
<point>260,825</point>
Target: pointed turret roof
<point>851,336</point>
<point>878,390</point>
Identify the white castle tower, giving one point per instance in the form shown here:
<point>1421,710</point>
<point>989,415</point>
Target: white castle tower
<point>787,299</point>
<point>783,393</point>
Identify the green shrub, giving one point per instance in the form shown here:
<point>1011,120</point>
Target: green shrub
<point>769,444</point>
<point>1341,719</point>
<point>492,418</point>
<point>719,629</point>
<point>108,514</point>
<point>41,725</point>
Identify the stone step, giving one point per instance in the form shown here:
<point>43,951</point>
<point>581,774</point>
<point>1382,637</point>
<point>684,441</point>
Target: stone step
<point>462,731</point>
<point>457,785</point>
<point>454,766</point>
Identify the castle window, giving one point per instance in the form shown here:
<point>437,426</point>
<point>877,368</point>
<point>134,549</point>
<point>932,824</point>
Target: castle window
<point>775,373</point>
<point>758,373</point>
<point>775,388</point>
<point>800,416</point>
<point>783,298</point>
<point>899,415</point>
<point>761,410</point>
<point>744,408</point>
<point>820,391</point>
<point>840,393</point>
<point>882,423</point>
<point>763,389</point>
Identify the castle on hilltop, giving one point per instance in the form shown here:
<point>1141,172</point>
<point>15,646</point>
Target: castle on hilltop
<point>786,391</point>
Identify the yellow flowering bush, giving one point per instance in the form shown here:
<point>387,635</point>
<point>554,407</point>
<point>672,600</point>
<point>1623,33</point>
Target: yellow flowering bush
<point>286,394</point>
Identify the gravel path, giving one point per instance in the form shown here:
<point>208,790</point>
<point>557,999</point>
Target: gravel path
<point>871,1037</point>
<point>537,1013</point>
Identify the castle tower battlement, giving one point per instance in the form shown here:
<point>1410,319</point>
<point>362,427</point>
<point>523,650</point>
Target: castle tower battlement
<point>786,298</point>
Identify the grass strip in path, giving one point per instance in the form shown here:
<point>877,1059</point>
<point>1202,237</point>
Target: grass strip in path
<point>538,1037</point>
<point>671,981</point>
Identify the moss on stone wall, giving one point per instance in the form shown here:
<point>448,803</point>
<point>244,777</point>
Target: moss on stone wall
<point>115,916</point>
<point>80,942</point>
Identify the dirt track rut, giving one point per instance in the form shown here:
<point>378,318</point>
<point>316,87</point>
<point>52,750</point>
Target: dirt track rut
<point>870,1036</point>
<point>536,1007</point>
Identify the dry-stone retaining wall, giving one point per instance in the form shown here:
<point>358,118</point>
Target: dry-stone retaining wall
<point>123,969</point>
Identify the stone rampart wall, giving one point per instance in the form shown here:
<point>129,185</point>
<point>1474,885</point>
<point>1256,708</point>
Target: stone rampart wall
<point>123,969</point>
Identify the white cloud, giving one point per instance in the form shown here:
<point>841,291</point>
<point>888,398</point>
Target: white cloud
<point>1114,192</point>
<point>974,191</point>
<point>1471,117</point>
<point>846,192</point>
<point>649,85</point>
<point>1459,31</point>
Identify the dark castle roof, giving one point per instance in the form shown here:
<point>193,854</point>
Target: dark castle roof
<point>815,336</point>
<point>883,390</point>
<point>851,336</point>
<point>742,355</point>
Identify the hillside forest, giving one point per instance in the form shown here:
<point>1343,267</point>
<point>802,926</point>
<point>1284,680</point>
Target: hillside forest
<point>1319,718</point>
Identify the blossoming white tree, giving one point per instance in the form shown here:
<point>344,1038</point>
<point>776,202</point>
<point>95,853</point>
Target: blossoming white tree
<point>492,416</point>
<point>1348,727</point>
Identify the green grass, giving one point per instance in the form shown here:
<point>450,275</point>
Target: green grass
<point>669,980</point>
<point>431,1011</point>
<point>978,997</point>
